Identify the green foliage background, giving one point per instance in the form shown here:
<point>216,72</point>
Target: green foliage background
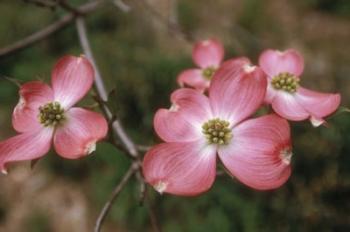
<point>141,60</point>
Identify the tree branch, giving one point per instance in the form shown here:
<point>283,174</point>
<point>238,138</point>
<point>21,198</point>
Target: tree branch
<point>173,27</point>
<point>129,145</point>
<point>43,3</point>
<point>49,30</point>
<point>65,5</point>
<point>101,90</point>
<point>152,214</point>
<point>143,148</point>
<point>133,168</point>
<point>121,5</point>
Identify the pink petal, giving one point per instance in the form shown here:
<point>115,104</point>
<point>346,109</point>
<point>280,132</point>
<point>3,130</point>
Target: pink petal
<point>193,78</point>
<point>79,135</point>
<point>208,53</point>
<point>319,105</point>
<point>287,106</point>
<point>173,127</point>
<point>180,168</point>
<point>26,146</point>
<point>237,90</point>
<point>259,154</point>
<point>32,95</point>
<point>270,94</point>
<point>274,62</point>
<point>72,78</point>
<point>183,121</point>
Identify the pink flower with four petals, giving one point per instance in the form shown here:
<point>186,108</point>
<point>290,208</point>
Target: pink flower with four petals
<point>45,114</point>
<point>196,128</point>
<point>287,97</point>
<point>207,55</point>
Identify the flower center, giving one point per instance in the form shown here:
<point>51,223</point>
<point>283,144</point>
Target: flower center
<point>285,81</point>
<point>51,114</point>
<point>217,131</point>
<point>208,72</point>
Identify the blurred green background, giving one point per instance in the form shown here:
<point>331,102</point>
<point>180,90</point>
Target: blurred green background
<point>140,59</point>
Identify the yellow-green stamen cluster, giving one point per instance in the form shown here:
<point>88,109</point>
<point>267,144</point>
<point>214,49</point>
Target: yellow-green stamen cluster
<point>285,81</point>
<point>51,114</point>
<point>217,131</point>
<point>208,73</point>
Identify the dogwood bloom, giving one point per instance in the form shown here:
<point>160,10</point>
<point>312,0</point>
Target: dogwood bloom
<point>45,115</point>
<point>196,128</point>
<point>287,97</point>
<point>207,55</point>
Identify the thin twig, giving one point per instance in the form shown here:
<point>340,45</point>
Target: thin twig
<point>176,29</point>
<point>43,3</point>
<point>49,30</point>
<point>66,6</point>
<point>122,5</point>
<point>101,90</point>
<point>152,214</point>
<point>143,148</point>
<point>116,125</point>
<point>133,168</point>
<point>12,80</point>
<point>171,25</point>
<point>142,186</point>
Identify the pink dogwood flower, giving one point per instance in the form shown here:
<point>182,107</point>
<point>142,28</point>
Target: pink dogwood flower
<point>45,115</point>
<point>196,128</point>
<point>207,55</point>
<point>286,96</point>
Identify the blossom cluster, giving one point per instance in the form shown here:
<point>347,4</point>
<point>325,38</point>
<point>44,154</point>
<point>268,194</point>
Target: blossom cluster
<point>212,118</point>
<point>213,115</point>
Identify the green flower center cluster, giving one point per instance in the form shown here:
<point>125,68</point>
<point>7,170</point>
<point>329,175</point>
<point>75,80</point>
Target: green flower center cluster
<point>51,114</point>
<point>285,81</point>
<point>217,131</point>
<point>208,73</point>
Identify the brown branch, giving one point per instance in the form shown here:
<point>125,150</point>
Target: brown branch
<point>143,148</point>
<point>101,90</point>
<point>175,29</point>
<point>121,5</point>
<point>131,171</point>
<point>118,130</point>
<point>142,183</point>
<point>49,30</point>
<point>66,6</point>
<point>172,26</point>
<point>152,214</point>
<point>43,3</point>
